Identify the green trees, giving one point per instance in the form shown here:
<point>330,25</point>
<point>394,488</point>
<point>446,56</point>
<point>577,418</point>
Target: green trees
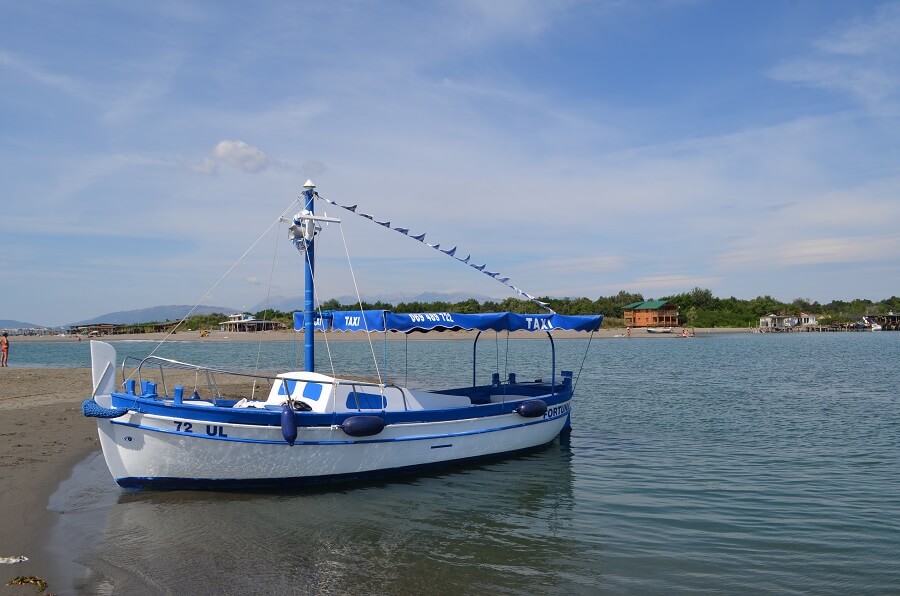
<point>698,308</point>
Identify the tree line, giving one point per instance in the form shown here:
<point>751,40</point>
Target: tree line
<point>697,308</point>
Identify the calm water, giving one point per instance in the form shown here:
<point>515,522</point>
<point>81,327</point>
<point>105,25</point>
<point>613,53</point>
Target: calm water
<point>737,463</point>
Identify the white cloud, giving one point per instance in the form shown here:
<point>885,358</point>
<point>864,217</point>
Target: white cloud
<point>862,59</point>
<point>241,155</point>
<point>66,84</point>
<point>204,166</point>
<point>867,36</point>
<point>814,251</point>
<point>579,265</point>
<point>668,283</point>
<point>513,18</point>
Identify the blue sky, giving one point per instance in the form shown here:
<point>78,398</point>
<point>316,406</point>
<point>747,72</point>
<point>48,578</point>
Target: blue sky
<point>580,148</point>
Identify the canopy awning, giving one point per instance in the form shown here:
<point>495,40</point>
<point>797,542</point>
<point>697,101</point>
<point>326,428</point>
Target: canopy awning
<point>385,320</point>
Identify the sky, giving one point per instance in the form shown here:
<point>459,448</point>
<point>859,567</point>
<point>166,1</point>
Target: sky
<point>578,148</point>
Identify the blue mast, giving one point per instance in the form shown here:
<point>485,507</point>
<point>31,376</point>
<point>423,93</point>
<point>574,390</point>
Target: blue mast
<point>309,354</point>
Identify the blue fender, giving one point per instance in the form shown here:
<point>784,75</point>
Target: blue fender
<point>363,426</point>
<point>288,424</point>
<point>532,408</point>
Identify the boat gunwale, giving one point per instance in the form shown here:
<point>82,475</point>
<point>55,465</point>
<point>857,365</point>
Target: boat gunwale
<point>266,417</point>
<point>351,440</point>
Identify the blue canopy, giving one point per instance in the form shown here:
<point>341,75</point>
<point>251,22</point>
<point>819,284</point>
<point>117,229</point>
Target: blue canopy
<point>385,320</point>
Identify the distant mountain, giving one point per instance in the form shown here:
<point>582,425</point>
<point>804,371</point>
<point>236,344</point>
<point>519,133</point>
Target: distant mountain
<point>155,314</point>
<point>10,324</point>
<point>285,304</point>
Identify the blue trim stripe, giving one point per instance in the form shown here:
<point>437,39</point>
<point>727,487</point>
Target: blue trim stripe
<point>252,416</point>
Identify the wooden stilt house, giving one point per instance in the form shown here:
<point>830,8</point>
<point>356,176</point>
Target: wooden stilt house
<point>651,313</point>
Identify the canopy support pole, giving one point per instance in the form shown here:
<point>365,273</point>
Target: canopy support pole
<point>553,366</point>
<point>474,353</point>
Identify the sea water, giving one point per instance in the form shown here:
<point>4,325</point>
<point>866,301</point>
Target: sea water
<point>725,464</point>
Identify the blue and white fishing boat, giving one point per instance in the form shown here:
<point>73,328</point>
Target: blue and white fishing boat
<point>308,427</point>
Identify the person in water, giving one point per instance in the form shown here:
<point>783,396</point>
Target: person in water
<point>4,349</point>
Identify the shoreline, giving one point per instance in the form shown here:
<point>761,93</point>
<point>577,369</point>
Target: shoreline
<point>289,336</point>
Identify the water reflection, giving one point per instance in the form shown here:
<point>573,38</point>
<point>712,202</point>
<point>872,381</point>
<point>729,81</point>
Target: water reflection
<point>503,526</point>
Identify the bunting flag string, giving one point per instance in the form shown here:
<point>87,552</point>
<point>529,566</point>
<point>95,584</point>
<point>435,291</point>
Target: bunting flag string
<point>450,252</point>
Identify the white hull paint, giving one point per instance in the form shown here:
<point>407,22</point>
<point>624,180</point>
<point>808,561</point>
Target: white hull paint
<point>143,449</point>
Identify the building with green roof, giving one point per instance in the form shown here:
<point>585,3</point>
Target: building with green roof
<point>651,313</point>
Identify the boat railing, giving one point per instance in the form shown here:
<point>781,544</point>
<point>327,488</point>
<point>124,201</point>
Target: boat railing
<point>138,369</point>
<point>139,366</point>
<point>552,362</point>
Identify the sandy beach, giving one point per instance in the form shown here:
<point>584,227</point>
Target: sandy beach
<point>43,434</point>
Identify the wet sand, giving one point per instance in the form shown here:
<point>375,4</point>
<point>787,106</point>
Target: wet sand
<point>43,434</point>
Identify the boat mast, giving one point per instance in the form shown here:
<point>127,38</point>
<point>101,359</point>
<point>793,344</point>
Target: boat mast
<point>309,354</point>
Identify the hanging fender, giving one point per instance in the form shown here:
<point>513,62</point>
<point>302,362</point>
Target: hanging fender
<point>288,424</point>
<point>531,408</point>
<point>363,426</point>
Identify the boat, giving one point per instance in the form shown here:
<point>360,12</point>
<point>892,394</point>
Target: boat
<point>871,324</point>
<point>659,330</point>
<point>169,424</point>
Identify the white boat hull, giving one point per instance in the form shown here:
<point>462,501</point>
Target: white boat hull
<point>148,450</point>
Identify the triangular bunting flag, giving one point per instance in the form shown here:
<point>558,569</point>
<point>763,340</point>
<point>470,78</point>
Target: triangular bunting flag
<point>450,253</point>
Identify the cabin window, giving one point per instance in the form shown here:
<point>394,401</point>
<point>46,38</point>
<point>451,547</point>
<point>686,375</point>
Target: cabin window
<point>290,387</point>
<point>312,391</point>
<point>365,401</point>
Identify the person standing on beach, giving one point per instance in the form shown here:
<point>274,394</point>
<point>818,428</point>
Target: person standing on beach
<point>4,349</point>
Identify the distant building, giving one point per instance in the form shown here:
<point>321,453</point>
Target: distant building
<point>97,329</point>
<point>245,322</point>
<point>652,313</point>
<point>807,320</point>
<point>786,322</point>
<point>94,330</point>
